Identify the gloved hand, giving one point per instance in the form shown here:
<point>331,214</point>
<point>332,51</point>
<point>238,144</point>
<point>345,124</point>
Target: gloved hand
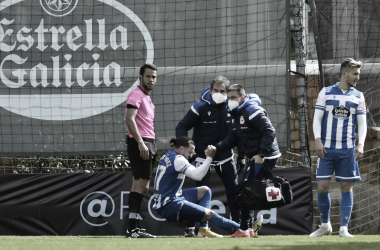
<point>240,164</point>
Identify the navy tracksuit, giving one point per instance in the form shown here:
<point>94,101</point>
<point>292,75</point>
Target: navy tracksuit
<point>211,123</point>
<point>252,129</point>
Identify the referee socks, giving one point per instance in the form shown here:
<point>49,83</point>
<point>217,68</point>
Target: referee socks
<point>134,204</point>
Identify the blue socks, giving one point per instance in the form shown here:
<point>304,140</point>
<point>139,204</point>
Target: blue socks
<point>224,223</point>
<point>346,208</point>
<point>324,204</point>
<point>205,202</point>
<point>346,204</point>
<point>216,219</point>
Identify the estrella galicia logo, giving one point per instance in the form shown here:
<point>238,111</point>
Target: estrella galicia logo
<point>68,63</point>
<point>58,8</point>
<point>95,207</point>
<point>341,113</point>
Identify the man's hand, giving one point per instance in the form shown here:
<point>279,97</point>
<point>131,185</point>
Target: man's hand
<point>210,151</point>
<point>144,151</point>
<point>319,148</point>
<point>240,165</point>
<point>359,152</point>
<point>257,159</point>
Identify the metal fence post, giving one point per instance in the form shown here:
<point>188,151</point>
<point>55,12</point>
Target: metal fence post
<point>301,81</point>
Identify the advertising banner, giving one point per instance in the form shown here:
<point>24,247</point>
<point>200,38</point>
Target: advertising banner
<point>97,204</point>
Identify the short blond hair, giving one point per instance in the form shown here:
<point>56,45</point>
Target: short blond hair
<point>350,63</point>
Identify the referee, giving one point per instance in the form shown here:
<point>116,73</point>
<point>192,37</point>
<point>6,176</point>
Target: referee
<point>141,145</point>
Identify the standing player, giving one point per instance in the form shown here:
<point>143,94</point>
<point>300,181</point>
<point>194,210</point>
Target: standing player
<point>211,122</point>
<point>337,109</point>
<point>192,205</point>
<point>252,128</point>
<point>141,145</point>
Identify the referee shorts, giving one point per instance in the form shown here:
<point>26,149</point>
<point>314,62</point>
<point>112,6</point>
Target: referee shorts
<point>141,168</point>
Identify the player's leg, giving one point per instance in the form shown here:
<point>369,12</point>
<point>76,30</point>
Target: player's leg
<point>141,172</point>
<point>204,199</point>
<point>201,196</point>
<point>324,200</point>
<point>347,171</point>
<point>194,212</point>
<point>190,227</point>
<point>228,174</point>
<point>346,205</point>
<point>204,196</point>
<point>324,171</point>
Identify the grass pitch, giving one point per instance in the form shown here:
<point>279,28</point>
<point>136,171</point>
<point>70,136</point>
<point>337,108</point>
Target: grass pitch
<point>359,242</point>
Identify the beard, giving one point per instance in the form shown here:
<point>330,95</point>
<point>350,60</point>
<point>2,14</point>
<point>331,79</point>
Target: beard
<point>192,158</point>
<point>145,85</point>
<point>351,83</point>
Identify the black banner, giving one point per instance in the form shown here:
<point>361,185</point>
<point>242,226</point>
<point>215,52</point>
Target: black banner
<point>59,204</point>
<point>97,204</point>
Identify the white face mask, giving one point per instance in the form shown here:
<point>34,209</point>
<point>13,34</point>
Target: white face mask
<point>218,98</point>
<point>233,104</point>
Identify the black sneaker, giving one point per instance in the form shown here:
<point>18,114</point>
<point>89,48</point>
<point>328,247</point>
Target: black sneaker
<point>129,234</point>
<point>147,235</point>
<point>138,233</point>
<point>190,232</point>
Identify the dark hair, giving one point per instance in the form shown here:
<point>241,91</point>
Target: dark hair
<point>181,141</point>
<point>149,66</point>
<point>220,80</point>
<point>236,87</point>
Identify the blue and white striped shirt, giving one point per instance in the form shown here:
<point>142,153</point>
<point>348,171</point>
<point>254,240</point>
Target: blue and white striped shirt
<point>339,121</point>
<point>169,178</point>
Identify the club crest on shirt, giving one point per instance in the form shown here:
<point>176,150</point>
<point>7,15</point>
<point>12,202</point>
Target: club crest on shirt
<point>364,108</point>
<point>209,113</point>
<point>341,113</point>
<point>354,99</point>
<point>242,120</point>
